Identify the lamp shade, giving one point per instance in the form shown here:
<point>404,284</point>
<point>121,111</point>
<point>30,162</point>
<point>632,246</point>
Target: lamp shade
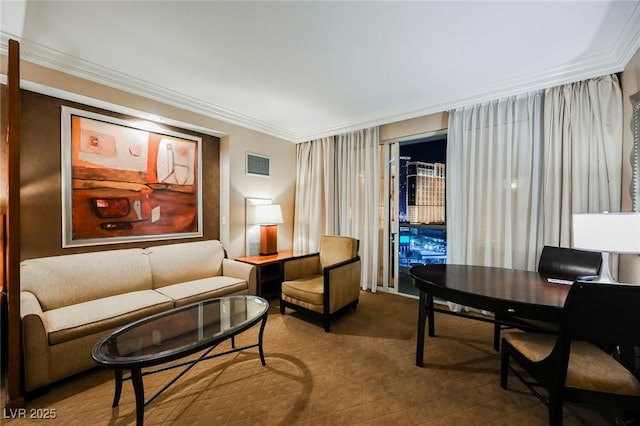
<point>607,232</point>
<point>267,214</point>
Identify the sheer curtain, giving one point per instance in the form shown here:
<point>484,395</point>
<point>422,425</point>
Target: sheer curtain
<point>494,183</point>
<point>583,153</point>
<point>337,193</point>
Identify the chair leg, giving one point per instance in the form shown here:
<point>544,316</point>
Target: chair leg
<point>326,320</point>
<point>555,411</point>
<point>281,307</point>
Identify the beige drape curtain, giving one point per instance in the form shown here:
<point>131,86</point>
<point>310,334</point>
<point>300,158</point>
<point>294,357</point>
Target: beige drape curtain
<point>337,193</point>
<point>517,169</point>
<point>583,153</point>
<point>314,169</point>
<point>494,183</point>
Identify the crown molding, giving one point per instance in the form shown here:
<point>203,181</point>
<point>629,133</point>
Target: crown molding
<point>53,59</point>
<point>629,41</point>
<point>576,71</point>
<point>74,97</point>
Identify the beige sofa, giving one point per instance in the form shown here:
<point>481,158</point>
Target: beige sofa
<point>68,303</point>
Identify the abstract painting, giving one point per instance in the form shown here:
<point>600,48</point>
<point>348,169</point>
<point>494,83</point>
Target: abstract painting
<point>126,180</point>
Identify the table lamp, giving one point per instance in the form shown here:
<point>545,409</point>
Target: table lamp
<point>268,216</point>
<point>607,233</point>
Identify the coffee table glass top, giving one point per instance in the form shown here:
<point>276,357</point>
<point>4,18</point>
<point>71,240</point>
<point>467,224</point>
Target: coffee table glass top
<point>186,329</point>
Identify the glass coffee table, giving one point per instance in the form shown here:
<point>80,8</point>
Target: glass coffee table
<point>175,334</point>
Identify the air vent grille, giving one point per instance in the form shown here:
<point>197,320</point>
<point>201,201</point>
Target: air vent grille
<point>258,165</point>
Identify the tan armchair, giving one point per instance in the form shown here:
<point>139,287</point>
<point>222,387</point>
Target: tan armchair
<point>323,284</point>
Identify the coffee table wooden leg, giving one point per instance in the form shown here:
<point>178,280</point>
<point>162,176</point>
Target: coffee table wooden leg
<point>138,388</point>
<point>118,390</point>
<point>264,323</point>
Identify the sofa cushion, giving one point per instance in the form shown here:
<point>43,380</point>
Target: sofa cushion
<point>177,263</point>
<point>82,319</point>
<point>59,281</point>
<point>203,289</point>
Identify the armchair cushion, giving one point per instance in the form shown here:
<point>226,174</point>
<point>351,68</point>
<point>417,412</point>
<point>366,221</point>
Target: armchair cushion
<point>336,249</point>
<point>309,289</point>
<point>302,267</point>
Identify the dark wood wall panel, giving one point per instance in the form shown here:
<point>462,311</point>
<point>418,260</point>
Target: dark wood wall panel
<point>40,179</point>
<point>11,249</point>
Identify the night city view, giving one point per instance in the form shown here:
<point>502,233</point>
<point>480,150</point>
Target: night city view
<point>423,239</point>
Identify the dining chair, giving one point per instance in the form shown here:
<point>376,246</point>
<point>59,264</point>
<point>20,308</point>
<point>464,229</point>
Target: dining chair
<point>555,262</point>
<point>569,264</point>
<point>323,284</point>
<point>573,365</point>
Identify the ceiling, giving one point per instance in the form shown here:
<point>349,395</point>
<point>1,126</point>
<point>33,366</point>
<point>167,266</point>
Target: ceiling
<point>306,69</point>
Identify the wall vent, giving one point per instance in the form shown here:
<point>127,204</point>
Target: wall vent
<point>258,165</point>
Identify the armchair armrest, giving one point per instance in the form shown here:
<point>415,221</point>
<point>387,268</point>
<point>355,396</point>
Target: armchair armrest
<point>35,341</point>
<point>341,264</point>
<point>342,283</point>
<point>244,271</point>
<point>300,267</point>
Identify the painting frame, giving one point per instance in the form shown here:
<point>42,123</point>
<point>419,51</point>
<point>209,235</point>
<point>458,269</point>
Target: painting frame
<point>127,180</point>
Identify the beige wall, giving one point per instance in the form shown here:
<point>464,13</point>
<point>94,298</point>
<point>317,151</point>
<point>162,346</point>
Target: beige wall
<point>629,264</point>
<point>235,142</point>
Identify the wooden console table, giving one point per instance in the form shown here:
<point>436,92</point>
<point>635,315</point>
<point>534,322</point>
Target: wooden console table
<point>269,272</point>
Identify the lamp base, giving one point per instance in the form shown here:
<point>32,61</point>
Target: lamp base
<point>268,240</point>
<point>605,271</point>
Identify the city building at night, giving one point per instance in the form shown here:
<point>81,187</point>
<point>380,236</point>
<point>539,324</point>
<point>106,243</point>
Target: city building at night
<point>426,192</point>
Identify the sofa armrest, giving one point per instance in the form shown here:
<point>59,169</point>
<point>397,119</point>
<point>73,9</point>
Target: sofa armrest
<point>35,341</point>
<point>245,271</point>
<point>30,309</point>
<point>300,267</point>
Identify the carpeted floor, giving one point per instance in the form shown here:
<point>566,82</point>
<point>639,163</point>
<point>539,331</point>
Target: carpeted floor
<point>362,373</point>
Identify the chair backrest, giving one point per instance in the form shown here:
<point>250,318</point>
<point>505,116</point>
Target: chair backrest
<point>568,263</point>
<point>603,313</point>
<point>335,249</point>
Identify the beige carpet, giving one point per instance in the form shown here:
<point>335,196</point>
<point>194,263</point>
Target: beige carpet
<point>362,373</point>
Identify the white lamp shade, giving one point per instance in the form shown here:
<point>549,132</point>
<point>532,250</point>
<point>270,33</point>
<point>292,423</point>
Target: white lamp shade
<point>267,214</point>
<point>607,232</point>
